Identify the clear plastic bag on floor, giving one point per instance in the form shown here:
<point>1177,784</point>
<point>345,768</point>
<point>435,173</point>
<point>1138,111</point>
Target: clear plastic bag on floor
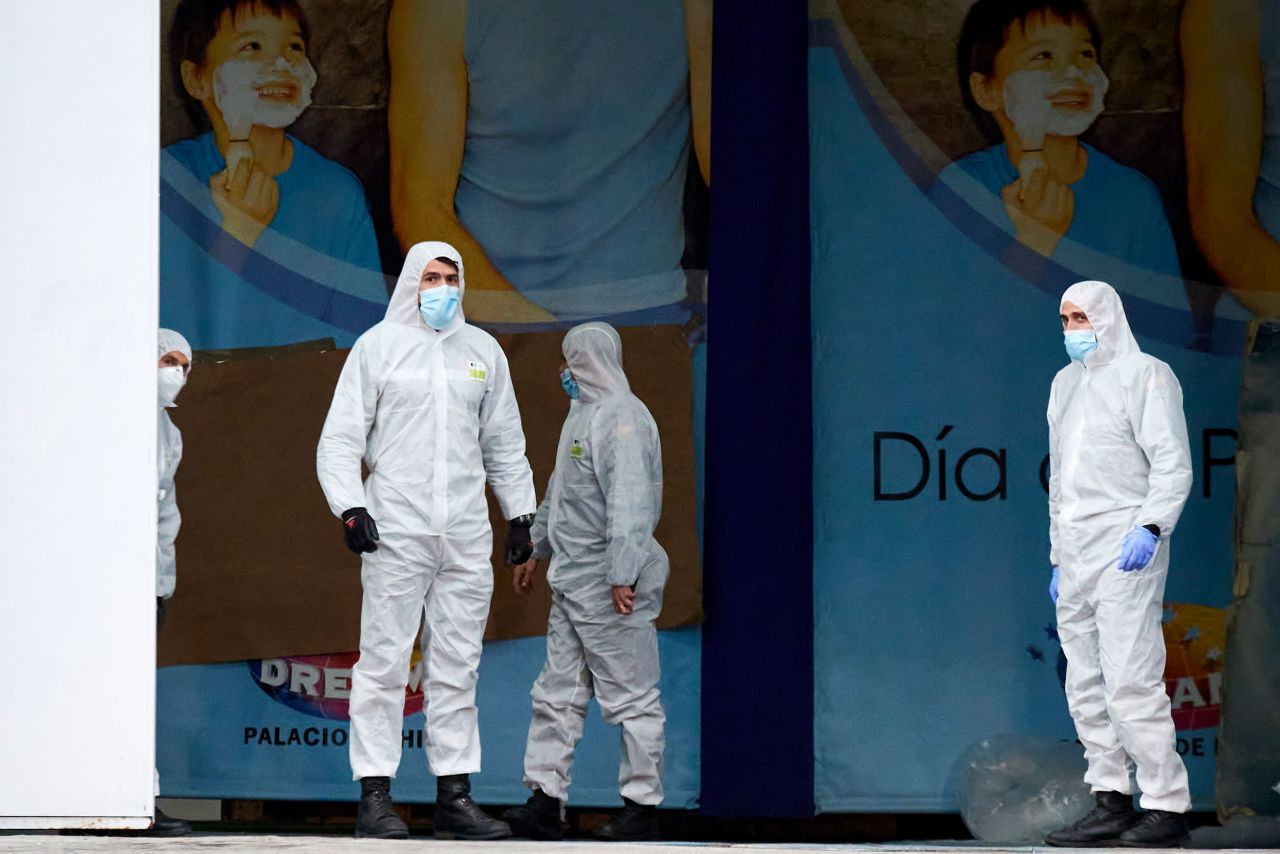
<point>1014,788</point>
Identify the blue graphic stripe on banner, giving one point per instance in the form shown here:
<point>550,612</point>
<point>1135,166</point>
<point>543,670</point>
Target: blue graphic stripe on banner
<point>1161,322</point>
<point>676,314</point>
<point>347,312</point>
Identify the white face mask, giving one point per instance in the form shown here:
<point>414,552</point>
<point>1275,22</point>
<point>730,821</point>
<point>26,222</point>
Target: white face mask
<point>1027,102</point>
<point>237,85</point>
<point>170,382</point>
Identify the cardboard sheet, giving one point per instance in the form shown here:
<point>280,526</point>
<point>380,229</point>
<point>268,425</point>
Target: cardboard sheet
<point>262,570</point>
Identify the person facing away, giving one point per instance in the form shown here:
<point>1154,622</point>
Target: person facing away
<point>607,575</point>
<point>1120,474</point>
<point>425,402</point>
<point>1231,125</point>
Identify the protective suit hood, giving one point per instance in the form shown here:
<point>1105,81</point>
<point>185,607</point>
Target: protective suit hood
<point>403,307</point>
<point>170,341</point>
<point>593,352</point>
<point>1102,304</point>
<point>171,380</point>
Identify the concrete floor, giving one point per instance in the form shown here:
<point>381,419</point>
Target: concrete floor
<point>39,843</point>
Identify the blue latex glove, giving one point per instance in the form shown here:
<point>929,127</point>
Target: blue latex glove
<point>1053,586</point>
<point>1138,549</point>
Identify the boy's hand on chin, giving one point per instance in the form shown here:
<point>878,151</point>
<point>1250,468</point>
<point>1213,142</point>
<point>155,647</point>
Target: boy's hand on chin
<point>247,203</point>
<point>1041,209</point>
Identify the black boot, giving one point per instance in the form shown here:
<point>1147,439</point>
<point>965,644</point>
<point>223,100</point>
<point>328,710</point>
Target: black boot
<point>636,824</point>
<point>166,825</point>
<point>1157,829</point>
<point>1113,815</point>
<point>375,819</point>
<point>458,817</point>
<point>539,818</point>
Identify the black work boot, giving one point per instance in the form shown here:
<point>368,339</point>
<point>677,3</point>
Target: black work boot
<point>539,818</point>
<point>375,819</point>
<point>167,825</point>
<point>636,823</point>
<point>458,817</point>
<point>1113,815</point>
<point>1157,829</point>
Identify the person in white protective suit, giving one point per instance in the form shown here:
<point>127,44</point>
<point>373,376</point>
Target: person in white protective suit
<point>174,365</point>
<point>607,575</point>
<point>1120,473</point>
<point>425,401</point>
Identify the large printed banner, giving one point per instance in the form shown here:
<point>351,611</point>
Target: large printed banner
<point>278,728</point>
<point>306,145</point>
<point>936,336</point>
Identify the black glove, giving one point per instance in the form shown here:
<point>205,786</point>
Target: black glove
<point>519,543</point>
<point>359,530</point>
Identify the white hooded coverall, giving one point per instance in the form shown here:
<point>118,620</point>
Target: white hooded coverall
<point>431,414</point>
<point>168,456</point>
<point>597,522</point>
<point>1119,460</point>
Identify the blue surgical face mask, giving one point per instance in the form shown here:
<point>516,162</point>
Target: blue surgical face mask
<point>1080,343</point>
<point>438,305</point>
<point>569,384</point>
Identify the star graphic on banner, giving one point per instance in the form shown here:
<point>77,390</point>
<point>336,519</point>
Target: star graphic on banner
<point>1034,652</point>
<point>1214,654</point>
<point>1192,634</point>
<point>1051,631</point>
<point>1169,615</point>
